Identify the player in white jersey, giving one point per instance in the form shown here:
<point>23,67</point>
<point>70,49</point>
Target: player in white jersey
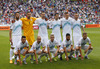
<point>21,48</point>
<point>66,25</point>
<point>82,44</point>
<point>67,47</point>
<point>51,47</point>
<point>42,23</point>
<point>77,25</point>
<point>15,34</point>
<point>56,28</point>
<point>36,48</point>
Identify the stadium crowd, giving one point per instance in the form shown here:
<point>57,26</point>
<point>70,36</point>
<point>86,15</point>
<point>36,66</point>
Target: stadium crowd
<point>88,11</point>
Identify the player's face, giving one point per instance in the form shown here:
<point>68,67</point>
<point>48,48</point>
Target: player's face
<point>67,38</point>
<point>84,36</point>
<point>38,40</point>
<point>17,16</point>
<point>76,16</point>
<point>28,15</point>
<point>43,15</point>
<point>23,40</point>
<point>52,38</point>
<point>57,16</point>
<point>66,15</point>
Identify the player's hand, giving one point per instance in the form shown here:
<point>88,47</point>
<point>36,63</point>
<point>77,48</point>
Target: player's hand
<point>36,61</point>
<point>81,57</point>
<point>20,62</point>
<point>85,51</point>
<point>55,54</point>
<point>11,41</point>
<point>72,49</point>
<point>24,53</point>
<point>31,51</point>
<point>50,60</point>
<point>69,50</point>
<point>67,58</point>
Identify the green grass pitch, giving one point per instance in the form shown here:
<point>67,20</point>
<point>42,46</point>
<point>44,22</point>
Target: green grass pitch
<point>92,63</point>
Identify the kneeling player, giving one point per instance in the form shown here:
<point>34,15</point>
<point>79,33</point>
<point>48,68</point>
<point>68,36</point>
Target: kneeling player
<point>67,46</point>
<point>21,48</point>
<point>51,47</point>
<point>82,44</point>
<point>36,48</point>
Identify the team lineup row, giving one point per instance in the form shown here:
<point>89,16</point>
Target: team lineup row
<point>64,46</point>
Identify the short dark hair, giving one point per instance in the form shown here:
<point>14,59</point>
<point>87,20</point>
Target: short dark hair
<point>84,33</point>
<point>56,14</point>
<point>66,12</point>
<point>16,13</point>
<point>75,13</point>
<point>67,34</point>
<point>28,12</point>
<point>23,36</point>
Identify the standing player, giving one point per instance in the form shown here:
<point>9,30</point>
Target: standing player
<point>82,44</point>
<point>21,48</point>
<point>56,28</point>
<point>51,47</point>
<point>28,28</point>
<point>15,34</point>
<point>36,48</point>
<point>66,25</point>
<point>42,23</point>
<point>77,25</point>
<point>67,47</point>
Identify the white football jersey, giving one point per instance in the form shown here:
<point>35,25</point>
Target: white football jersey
<point>42,23</point>
<point>66,26</point>
<point>83,42</point>
<point>67,44</point>
<point>37,46</point>
<point>51,44</point>
<point>21,46</point>
<point>16,28</point>
<point>77,27</point>
<point>56,29</point>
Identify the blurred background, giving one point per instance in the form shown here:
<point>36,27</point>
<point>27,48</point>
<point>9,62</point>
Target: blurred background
<point>89,10</point>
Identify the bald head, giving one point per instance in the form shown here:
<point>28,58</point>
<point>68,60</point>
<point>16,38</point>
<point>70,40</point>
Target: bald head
<point>38,39</point>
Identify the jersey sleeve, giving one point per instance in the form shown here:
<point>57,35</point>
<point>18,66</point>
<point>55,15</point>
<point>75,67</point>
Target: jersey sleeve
<point>34,46</point>
<point>71,43</point>
<point>18,46</point>
<point>37,21</point>
<point>63,44</point>
<point>27,44</point>
<point>89,40</point>
<point>34,19</point>
<point>22,19</point>
<point>57,43</point>
<point>48,44</point>
<point>12,26</point>
<point>79,43</point>
<point>43,45</point>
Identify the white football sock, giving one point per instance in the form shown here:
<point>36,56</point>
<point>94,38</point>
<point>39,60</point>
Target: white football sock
<point>11,53</point>
<point>88,52</point>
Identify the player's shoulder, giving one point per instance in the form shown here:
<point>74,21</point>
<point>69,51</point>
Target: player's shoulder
<point>26,41</point>
<point>19,43</point>
<point>88,38</point>
<point>34,42</point>
<point>23,18</point>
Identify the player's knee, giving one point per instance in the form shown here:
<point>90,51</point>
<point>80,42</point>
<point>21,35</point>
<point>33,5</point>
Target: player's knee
<point>16,53</point>
<point>91,48</point>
